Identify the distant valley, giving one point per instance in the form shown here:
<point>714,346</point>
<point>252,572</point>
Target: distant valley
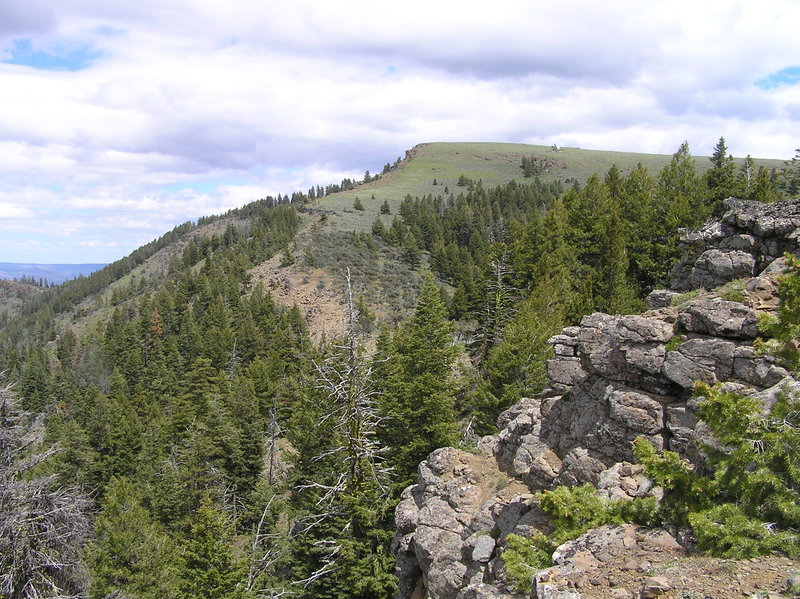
<point>52,273</point>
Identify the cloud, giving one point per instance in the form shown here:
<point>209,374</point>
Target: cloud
<point>14,211</point>
<point>154,112</point>
<point>94,243</point>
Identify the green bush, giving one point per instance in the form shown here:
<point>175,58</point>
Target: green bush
<point>780,335</point>
<point>675,342</point>
<point>748,503</point>
<point>573,511</point>
<point>523,557</point>
<point>726,531</point>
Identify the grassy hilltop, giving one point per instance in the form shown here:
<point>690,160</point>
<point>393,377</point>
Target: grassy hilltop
<point>492,163</point>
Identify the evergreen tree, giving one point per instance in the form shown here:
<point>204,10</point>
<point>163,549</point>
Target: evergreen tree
<point>790,176</point>
<point>208,566</point>
<point>763,188</point>
<point>615,294</point>
<point>680,202</point>
<point>417,407</point>
<point>721,180</point>
<point>342,550</point>
<point>499,303</point>
<point>130,555</point>
<point>516,367</point>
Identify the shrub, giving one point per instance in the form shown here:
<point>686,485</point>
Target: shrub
<point>747,505</point>
<point>523,557</point>
<point>573,511</point>
<point>675,342</point>
<point>781,333</point>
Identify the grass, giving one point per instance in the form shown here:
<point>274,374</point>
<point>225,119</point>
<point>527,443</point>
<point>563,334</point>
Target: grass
<point>683,300</point>
<point>492,163</point>
<point>733,291</point>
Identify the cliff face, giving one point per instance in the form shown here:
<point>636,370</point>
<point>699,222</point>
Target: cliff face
<point>613,379</point>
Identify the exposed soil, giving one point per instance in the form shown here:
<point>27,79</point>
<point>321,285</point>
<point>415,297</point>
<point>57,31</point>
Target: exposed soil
<point>688,577</point>
<point>312,291</point>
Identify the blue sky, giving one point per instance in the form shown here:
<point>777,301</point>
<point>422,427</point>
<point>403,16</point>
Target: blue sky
<point>121,120</point>
<point>56,58</point>
<point>787,76</point>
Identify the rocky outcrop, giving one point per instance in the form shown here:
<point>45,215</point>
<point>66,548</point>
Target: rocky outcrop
<point>612,379</point>
<point>451,525</point>
<point>743,242</point>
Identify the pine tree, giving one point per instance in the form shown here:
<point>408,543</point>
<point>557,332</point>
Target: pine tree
<point>208,566</point>
<point>418,405</point>
<point>721,180</point>
<point>516,367</point>
<point>763,188</point>
<point>342,549</point>
<point>790,176</point>
<point>130,555</point>
<point>499,303</point>
<point>680,202</point>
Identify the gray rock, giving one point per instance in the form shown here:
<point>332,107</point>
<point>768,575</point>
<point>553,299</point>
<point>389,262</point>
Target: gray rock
<point>660,298</point>
<point>637,411</point>
<point>545,591</point>
<point>742,242</point>
<point>655,586</point>
<point>484,547</point>
<point>755,369</point>
<point>564,372</point>
<point>715,267</point>
<point>763,231</point>
<point>483,591</point>
<point>706,360</point>
<point>406,515</point>
<point>720,318</point>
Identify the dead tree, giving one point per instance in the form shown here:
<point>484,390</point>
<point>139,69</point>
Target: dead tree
<point>42,528</point>
<point>345,379</point>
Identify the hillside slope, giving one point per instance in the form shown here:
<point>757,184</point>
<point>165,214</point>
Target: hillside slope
<point>491,163</point>
<point>328,222</point>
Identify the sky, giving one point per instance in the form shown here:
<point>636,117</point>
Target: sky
<point>120,119</point>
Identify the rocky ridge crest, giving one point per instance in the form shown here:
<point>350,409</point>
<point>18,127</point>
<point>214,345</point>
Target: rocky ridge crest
<point>613,379</point>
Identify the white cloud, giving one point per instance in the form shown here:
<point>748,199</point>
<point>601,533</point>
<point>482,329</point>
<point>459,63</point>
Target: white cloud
<point>194,107</point>
<point>14,211</point>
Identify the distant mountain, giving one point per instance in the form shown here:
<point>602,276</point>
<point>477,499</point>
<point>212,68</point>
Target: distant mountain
<point>52,273</point>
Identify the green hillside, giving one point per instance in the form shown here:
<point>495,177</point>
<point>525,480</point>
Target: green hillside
<point>491,163</point>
